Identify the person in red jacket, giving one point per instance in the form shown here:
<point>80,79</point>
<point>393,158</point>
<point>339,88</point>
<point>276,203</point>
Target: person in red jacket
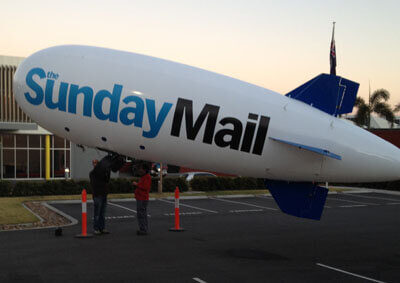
<point>142,198</point>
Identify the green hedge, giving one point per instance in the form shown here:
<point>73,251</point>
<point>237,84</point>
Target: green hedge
<point>170,184</point>
<point>393,186</point>
<point>5,188</point>
<point>70,187</point>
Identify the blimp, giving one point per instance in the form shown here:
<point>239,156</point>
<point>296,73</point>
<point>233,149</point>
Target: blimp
<point>158,110</point>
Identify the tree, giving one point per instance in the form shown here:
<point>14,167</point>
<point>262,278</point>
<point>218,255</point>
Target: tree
<point>396,108</point>
<point>377,104</point>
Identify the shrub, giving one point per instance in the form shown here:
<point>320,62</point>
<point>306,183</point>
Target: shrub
<point>5,188</point>
<point>394,185</point>
<point>170,184</point>
<point>71,187</point>
<point>118,186</point>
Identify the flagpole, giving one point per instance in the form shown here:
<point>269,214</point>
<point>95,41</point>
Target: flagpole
<point>332,53</point>
<point>369,104</point>
<point>330,59</point>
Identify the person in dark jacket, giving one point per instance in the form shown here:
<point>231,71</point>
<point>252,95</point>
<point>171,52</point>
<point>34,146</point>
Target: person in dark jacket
<point>99,179</point>
<point>142,198</point>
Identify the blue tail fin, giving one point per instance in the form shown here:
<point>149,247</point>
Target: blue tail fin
<point>331,94</point>
<point>301,199</point>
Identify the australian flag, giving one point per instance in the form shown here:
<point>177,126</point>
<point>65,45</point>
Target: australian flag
<point>332,55</point>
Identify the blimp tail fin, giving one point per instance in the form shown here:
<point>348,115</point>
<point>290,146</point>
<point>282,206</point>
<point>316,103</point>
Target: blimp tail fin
<point>331,94</point>
<point>301,199</point>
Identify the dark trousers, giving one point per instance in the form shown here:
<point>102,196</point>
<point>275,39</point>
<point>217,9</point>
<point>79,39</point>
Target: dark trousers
<point>142,214</point>
<point>100,205</point>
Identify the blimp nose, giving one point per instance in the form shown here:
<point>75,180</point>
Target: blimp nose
<point>365,157</point>
<point>19,83</point>
<point>394,167</point>
<point>29,85</point>
<point>384,160</point>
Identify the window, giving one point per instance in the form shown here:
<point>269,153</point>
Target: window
<point>34,163</point>
<point>34,141</point>
<point>21,164</point>
<point>59,163</point>
<point>8,141</point>
<point>21,141</point>
<point>8,163</point>
<point>23,156</point>
<point>59,142</point>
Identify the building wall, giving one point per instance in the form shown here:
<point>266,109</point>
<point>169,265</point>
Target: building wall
<point>9,109</point>
<point>390,135</point>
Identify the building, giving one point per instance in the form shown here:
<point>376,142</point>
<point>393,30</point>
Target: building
<point>391,135</point>
<point>29,152</point>
<point>377,122</point>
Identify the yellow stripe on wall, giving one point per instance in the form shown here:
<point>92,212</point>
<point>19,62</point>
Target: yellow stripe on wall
<point>47,157</point>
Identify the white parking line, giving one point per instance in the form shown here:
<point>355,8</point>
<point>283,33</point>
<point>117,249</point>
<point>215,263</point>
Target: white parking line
<point>123,207</point>
<point>271,198</point>
<point>126,208</point>
<point>390,199</point>
<point>245,210</point>
<point>244,203</point>
<point>349,273</point>
<point>264,196</point>
<point>120,217</point>
<point>198,280</point>
<point>352,201</point>
<point>355,205</point>
<point>184,213</point>
<point>195,207</point>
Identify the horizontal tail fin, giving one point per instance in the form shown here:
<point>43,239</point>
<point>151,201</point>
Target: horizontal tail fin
<point>331,94</point>
<point>314,149</point>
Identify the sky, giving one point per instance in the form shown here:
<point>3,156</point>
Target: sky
<point>274,44</point>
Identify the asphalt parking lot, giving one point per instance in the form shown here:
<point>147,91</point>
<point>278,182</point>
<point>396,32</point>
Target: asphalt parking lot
<point>242,239</point>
